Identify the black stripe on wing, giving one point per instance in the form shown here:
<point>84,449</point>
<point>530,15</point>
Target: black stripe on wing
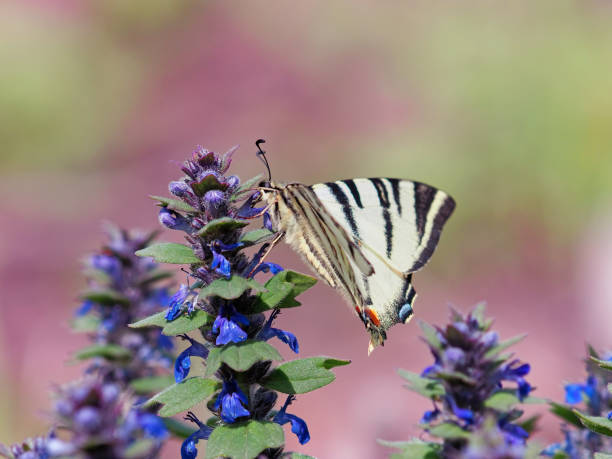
<point>342,199</point>
<point>423,198</point>
<point>383,198</point>
<point>439,219</point>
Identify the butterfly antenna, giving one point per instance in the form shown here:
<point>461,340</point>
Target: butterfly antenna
<point>261,154</point>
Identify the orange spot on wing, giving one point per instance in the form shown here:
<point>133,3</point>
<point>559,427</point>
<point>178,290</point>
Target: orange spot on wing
<point>373,316</point>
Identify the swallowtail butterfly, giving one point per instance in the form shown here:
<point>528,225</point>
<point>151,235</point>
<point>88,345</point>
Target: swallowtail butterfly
<point>365,237</point>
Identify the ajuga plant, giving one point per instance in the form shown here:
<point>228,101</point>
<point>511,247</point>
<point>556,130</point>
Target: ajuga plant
<point>475,389</point>
<point>220,313</point>
<point>589,430</point>
<point>97,416</point>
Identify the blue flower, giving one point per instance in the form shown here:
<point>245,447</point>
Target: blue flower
<point>286,337</point>
<point>220,264</point>
<point>267,267</point>
<point>268,332</point>
<point>108,264</point>
<point>227,325</point>
<point>84,308</point>
<point>176,302</point>
<point>183,361</point>
<point>180,189</point>
<point>573,393</point>
<point>173,220</point>
<point>429,416</point>
<point>464,414</point>
<point>231,401</point>
<point>516,374</point>
<point>188,448</point>
<point>298,425</point>
<point>267,221</point>
<point>153,426</point>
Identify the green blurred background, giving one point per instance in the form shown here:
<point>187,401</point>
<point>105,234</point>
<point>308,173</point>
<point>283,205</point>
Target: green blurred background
<point>507,106</point>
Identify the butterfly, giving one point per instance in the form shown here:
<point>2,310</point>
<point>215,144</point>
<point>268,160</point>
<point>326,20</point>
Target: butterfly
<point>365,237</point>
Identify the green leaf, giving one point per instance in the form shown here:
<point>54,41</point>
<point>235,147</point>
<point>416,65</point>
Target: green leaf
<point>218,226</point>
<point>478,313</point>
<point>455,376</point>
<point>256,236</point>
<point>504,345</point>
<point>108,351</point>
<point>430,334</point>
<point>178,428</point>
<point>231,288</point>
<point>156,320</point>
<point>566,413</point>
<point>245,187</point>
<point>240,356</point>
<point>301,456</point>
<point>208,183</point>
<point>303,375</point>
<point>244,440</point>
<point>530,424</point>
<point>425,386</point>
<point>85,324</point>
<point>502,401</point>
<point>602,456</point>
<point>597,424</point>
<point>105,296</point>
<point>174,204</point>
<point>448,430</point>
<point>610,387</point>
<point>152,384</point>
<point>415,448</point>
<point>182,396</point>
<point>184,324</point>
<point>282,290</point>
<point>605,364</point>
<point>169,252</point>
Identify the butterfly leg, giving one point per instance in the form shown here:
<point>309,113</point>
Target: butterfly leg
<point>271,245</point>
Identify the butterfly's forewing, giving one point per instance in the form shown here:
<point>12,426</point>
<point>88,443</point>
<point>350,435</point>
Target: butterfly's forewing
<point>398,221</point>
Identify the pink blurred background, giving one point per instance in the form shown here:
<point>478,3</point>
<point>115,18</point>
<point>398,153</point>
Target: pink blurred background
<point>506,107</point>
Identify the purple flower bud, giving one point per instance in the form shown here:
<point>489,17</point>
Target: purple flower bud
<point>180,189</point>
<point>454,356</point>
<point>110,393</point>
<point>232,181</point>
<point>63,407</point>
<point>88,419</point>
<point>489,339</point>
<point>214,198</point>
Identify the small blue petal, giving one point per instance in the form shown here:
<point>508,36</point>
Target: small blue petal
<point>230,332</point>
<point>268,267</point>
<point>429,416</point>
<point>523,388</point>
<point>239,318</point>
<point>220,264</point>
<point>267,221</point>
<point>84,308</point>
<point>610,415</point>
<point>182,365</point>
<point>153,426</point>
<point>188,448</point>
<point>573,393</point>
<point>285,336</point>
<point>522,370</point>
<point>225,247</point>
<point>165,342</point>
<point>298,425</point>
<point>173,220</point>
<point>176,302</point>
<point>232,409</point>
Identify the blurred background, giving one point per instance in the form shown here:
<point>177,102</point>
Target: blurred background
<point>508,107</point>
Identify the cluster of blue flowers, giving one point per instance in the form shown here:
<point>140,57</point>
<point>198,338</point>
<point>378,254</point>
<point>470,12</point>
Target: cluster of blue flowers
<point>97,416</point>
<point>212,222</point>
<point>473,405</point>
<point>594,395</point>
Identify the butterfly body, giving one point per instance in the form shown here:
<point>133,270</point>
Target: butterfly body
<point>364,237</point>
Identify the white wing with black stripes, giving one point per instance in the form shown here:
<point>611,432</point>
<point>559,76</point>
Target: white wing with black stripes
<point>364,237</point>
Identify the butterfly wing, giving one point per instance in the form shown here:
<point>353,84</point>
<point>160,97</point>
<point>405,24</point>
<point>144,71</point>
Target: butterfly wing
<point>398,224</point>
